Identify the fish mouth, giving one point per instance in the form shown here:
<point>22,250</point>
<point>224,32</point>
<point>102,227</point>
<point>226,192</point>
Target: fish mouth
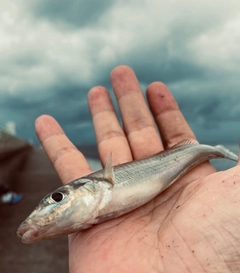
<point>28,233</point>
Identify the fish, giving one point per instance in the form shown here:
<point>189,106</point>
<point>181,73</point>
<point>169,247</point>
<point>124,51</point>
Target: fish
<point>114,191</point>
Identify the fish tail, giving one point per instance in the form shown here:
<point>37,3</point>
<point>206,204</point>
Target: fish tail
<point>227,153</point>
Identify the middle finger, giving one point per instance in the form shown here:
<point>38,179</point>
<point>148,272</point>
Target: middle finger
<point>138,122</point>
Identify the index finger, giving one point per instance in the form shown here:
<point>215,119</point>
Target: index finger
<point>67,160</point>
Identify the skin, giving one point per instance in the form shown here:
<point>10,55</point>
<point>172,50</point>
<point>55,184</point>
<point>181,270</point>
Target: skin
<point>193,226</point>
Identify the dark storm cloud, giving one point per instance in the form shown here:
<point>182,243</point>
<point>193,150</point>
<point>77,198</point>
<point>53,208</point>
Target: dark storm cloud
<point>220,108</point>
<point>77,13</point>
<point>167,59</point>
<point>69,109</point>
<point>213,116</point>
<point>168,72</point>
<point>15,64</point>
<point>27,60</point>
<point>210,106</point>
<point>209,113</point>
<point>157,64</point>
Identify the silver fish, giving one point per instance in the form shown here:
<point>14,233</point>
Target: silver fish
<point>113,191</point>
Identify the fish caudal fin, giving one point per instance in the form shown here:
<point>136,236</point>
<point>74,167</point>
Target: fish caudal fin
<point>226,153</point>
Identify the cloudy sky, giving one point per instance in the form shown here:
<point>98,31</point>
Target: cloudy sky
<point>52,52</point>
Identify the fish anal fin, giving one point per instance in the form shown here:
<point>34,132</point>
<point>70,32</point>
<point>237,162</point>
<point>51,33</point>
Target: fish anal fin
<point>108,173</point>
<point>187,141</point>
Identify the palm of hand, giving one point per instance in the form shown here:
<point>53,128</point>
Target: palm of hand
<point>193,230</point>
<point>190,227</point>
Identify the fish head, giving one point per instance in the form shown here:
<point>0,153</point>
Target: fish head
<point>67,209</point>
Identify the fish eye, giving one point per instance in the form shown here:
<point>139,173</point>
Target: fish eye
<point>57,196</point>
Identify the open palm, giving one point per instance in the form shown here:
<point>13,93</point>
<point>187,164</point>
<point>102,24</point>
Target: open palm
<point>191,227</point>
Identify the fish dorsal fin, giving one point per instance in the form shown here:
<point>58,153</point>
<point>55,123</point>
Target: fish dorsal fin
<point>186,142</point>
<point>108,172</point>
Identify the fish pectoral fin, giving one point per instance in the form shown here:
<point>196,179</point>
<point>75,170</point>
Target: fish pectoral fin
<point>108,173</point>
<point>187,141</point>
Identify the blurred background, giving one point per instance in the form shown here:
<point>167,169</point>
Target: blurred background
<point>53,52</point>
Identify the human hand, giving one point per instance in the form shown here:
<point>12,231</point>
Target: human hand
<point>193,226</point>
